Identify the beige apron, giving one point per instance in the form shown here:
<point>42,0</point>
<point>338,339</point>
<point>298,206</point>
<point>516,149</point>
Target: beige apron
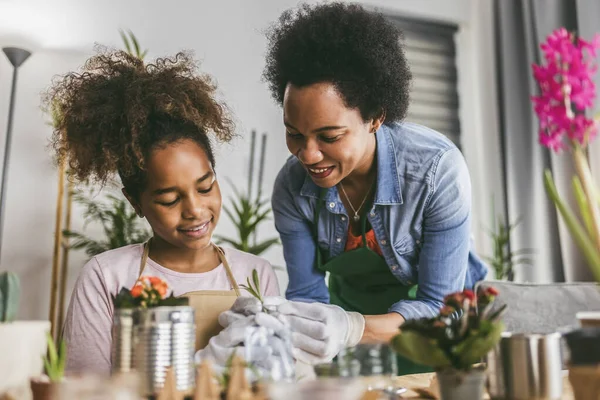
<point>207,304</point>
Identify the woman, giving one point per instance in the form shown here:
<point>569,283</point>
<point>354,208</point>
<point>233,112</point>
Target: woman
<point>384,206</point>
<point>152,125</point>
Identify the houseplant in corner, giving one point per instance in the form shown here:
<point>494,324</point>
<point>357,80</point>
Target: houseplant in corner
<point>454,342</point>
<point>22,343</point>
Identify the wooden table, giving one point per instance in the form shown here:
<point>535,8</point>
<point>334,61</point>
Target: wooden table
<point>424,386</point>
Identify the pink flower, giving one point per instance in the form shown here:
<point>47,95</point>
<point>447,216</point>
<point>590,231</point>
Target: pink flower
<point>567,90</point>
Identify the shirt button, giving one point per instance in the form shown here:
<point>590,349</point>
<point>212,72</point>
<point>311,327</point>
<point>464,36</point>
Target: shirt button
<point>331,205</point>
<point>343,218</point>
<point>394,267</point>
<point>418,241</point>
<point>384,242</point>
<point>339,240</point>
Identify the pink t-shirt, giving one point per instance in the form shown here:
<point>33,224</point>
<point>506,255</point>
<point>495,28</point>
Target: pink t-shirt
<point>88,322</point>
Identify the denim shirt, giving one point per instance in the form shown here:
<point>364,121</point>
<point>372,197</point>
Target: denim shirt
<point>421,216</point>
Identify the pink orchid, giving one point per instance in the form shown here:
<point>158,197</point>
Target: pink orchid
<point>567,90</point>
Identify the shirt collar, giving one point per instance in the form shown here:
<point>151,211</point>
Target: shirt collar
<point>388,184</point>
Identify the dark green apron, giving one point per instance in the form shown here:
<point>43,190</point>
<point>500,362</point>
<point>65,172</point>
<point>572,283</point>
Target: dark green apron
<point>360,280</point>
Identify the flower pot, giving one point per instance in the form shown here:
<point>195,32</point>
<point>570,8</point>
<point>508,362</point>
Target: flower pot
<point>163,338</point>
<point>43,389</point>
<point>460,385</point>
<point>22,346</point>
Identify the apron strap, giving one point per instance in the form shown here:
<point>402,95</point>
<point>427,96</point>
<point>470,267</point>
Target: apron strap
<point>223,259</point>
<point>220,253</point>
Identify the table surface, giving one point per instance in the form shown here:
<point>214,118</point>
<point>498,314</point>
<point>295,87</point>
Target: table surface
<point>424,386</point>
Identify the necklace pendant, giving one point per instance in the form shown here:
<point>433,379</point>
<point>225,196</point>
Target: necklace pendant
<point>356,217</point>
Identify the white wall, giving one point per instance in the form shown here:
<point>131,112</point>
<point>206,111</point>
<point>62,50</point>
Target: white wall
<point>227,36</point>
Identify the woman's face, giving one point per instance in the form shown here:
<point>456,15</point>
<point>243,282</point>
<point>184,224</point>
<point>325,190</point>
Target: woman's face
<point>330,140</point>
<point>182,199</point>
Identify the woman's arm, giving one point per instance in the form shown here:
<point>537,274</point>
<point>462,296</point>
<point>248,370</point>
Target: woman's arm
<point>306,282</point>
<point>444,255</point>
<point>88,324</point>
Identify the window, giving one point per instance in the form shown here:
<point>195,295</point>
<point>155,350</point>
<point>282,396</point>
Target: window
<point>431,54</point>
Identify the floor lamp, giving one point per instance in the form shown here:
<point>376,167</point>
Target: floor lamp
<point>16,57</point>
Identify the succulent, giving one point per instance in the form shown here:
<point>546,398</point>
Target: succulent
<point>55,360</point>
<point>459,337</point>
<point>10,291</point>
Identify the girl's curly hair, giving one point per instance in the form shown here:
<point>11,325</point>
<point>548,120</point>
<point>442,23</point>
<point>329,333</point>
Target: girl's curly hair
<point>111,114</point>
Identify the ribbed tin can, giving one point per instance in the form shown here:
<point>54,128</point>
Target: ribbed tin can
<point>159,338</point>
<point>122,341</point>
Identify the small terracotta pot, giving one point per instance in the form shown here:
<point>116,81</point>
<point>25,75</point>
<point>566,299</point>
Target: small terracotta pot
<point>43,389</point>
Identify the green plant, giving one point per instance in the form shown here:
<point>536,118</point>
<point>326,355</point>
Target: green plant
<point>503,260</point>
<point>463,333</point>
<point>10,292</point>
<point>247,212</point>
<point>246,215</point>
<point>55,360</point>
<point>132,45</point>
<point>117,218</point>
<point>254,290</point>
<point>147,292</point>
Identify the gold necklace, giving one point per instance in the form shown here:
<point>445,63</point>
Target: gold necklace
<point>356,217</point>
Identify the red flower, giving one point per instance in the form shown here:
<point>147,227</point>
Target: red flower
<point>491,291</point>
<point>469,294</point>
<point>137,289</point>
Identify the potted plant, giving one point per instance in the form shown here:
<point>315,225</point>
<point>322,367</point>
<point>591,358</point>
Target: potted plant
<point>46,387</point>
<point>22,343</point>
<point>152,331</point>
<point>454,342</point>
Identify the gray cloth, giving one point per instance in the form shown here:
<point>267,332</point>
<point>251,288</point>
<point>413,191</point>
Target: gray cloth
<point>521,25</point>
<point>544,308</point>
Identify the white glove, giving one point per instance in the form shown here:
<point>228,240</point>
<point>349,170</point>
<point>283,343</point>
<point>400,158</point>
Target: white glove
<point>248,305</point>
<point>231,339</point>
<point>321,331</point>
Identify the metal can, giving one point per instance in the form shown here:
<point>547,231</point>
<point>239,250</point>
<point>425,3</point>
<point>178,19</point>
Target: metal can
<point>160,338</point>
<point>121,353</point>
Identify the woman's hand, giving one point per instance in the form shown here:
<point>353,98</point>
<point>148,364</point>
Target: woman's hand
<point>381,328</point>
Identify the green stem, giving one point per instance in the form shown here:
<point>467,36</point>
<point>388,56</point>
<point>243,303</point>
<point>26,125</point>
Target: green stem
<point>585,175</point>
<point>584,242</point>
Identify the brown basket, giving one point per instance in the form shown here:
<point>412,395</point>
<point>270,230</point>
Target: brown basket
<point>585,381</point>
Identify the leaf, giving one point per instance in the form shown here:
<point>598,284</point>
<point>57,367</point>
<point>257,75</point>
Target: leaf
<point>584,242</point>
<point>583,204</point>
<point>474,348</point>
<point>419,349</point>
<point>261,247</point>
<point>255,280</point>
<point>125,41</point>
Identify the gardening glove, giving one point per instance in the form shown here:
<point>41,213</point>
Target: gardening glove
<point>231,339</point>
<point>248,305</point>
<point>320,331</point>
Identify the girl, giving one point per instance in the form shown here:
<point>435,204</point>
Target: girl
<point>151,124</point>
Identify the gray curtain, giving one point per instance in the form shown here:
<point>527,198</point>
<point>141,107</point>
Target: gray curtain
<point>520,26</point>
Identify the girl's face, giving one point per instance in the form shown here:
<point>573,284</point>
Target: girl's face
<point>182,198</point>
<point>328,138</point>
